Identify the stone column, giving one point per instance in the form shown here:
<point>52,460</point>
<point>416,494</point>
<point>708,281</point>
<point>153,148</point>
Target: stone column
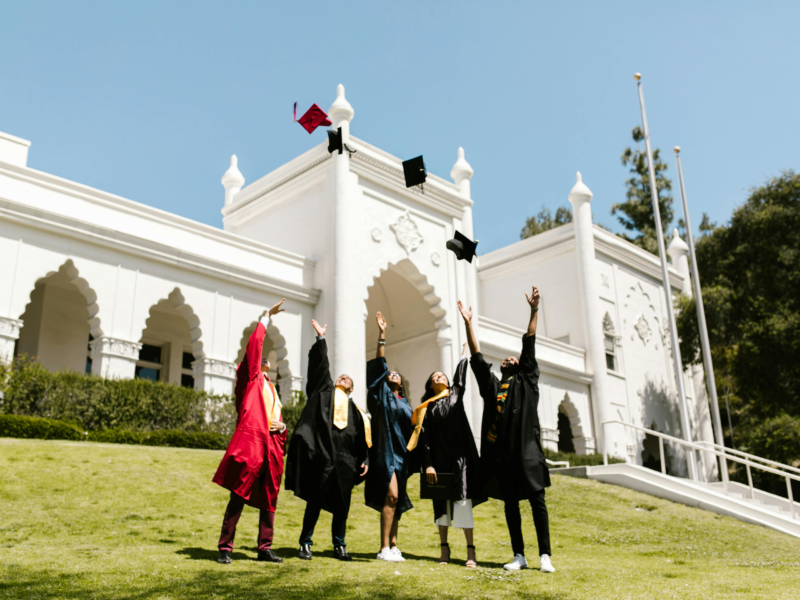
<point>580,197</point>
<point>214,376</point>
<point>445,341</point>
<point>114,358</point>
<point>348,319</point>
<point>9,334</point>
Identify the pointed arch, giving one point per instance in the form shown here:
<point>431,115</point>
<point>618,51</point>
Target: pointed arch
<point>176,300</point>
<point>277,353</point>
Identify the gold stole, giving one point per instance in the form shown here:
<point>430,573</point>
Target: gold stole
<point>367,426</point>
<point>419,415</point>
<point>341,406</point>
<point>272,404</point>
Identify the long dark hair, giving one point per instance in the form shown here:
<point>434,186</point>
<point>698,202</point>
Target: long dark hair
<point>429,393</point>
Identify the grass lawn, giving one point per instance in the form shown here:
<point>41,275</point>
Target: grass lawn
<point>82,520</point>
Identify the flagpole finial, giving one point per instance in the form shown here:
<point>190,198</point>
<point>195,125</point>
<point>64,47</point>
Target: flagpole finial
<point>677,149</point>
<point>637,76</point>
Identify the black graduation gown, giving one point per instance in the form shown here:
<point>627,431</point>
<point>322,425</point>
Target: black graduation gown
<point>447,444</point>
<point>391,430</point>
<point>519,444</point>
<point>323,458</point>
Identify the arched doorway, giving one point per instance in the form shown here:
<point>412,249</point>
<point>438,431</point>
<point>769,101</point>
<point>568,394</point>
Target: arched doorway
<point>58,322</point>
<point>274,348</point>
<point>170,343</point>
<point>411,337</point>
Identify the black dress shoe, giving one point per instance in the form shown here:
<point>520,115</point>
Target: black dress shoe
<point>340,553</point>
<point>305,552</point>
<point>224,557</point>
<point>268,556</point>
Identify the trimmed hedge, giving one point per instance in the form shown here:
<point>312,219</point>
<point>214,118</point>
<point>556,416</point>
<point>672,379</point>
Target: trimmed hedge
<point>580,460</point>
<point>96,403</point>
<point>18,426</point>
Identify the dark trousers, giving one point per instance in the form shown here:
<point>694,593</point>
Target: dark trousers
<point>508,485</point>
<point>266,522</point>
<point>338,525</point>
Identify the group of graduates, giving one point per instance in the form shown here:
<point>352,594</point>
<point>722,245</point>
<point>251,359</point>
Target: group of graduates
<point>336,446</point>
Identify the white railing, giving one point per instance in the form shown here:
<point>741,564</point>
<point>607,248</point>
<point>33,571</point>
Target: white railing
<point>713,450</point>
<point>557,463</point>
<point>753,457</point>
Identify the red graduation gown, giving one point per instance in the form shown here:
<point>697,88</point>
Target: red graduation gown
<point>253,464</point>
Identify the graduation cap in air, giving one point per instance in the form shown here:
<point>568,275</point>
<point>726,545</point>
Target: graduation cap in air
<point>335,142</point>
<point>462,247</point>
<point>414,171</point>
<point>314,117</point>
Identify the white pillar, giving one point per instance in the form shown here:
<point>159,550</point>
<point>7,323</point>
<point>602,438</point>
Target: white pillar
<point>445,341</point>
<point>114,358</point>
<point>580,197</point>
<point>349,326</point>
<point>9,334</point>
<point>214,376</point>
<point>679,254</point>
<point>232,180</point>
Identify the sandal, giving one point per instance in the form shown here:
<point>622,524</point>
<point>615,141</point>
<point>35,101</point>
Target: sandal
<point>445,562</point>
<point>471,564</point>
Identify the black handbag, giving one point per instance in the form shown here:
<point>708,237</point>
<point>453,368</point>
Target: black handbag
<point>441,490</point>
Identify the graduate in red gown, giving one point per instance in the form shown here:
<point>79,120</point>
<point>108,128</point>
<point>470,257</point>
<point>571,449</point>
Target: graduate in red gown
<point>253,464</point>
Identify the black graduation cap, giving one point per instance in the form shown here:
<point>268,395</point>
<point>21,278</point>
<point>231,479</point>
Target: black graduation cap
<point>462,247</point>
<point>414,171</point>
<point>335,142</point>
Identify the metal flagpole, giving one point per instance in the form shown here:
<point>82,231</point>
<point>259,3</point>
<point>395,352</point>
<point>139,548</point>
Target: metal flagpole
<point>676,351</point>
<point>701,322</point>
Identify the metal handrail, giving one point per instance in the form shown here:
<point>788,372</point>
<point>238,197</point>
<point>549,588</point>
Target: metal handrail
<point>557,463</point>
<point>753,456</point>
<point>704,448</point>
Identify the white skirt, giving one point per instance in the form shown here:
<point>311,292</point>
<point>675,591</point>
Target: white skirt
<point>459,514</point>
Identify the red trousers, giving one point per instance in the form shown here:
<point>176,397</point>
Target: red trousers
<point>266,521</point>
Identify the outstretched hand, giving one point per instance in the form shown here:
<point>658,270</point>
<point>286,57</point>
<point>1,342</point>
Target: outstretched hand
<point>320,330</point>
<point>277,308</point>
<point>533,299</point>
<point>466,313</point>
<point>381,322</point>
<point>364,469</point>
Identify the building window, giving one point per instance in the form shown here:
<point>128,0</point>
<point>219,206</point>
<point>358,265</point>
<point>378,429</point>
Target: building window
<point>611,361</point>
<point>150,365</point>
<point>187,378</point>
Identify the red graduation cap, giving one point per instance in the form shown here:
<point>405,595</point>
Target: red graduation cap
<point>314,117</point>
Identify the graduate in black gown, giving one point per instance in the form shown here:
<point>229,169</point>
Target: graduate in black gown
<point>385,490</point>
<point>444,438</point>
<point>512,458</point>
<point>328,452</point>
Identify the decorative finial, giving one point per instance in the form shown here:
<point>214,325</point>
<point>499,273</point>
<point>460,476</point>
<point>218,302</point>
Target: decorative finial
<point>677,149</point>
<point>232,180</point>
<point>579,191</point>
<point>677,244</point>
<point>461,171</point>
<point>340,110</point>
<point>637,76</point>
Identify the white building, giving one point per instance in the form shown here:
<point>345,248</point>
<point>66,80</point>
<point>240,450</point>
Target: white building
<point>91,281</point>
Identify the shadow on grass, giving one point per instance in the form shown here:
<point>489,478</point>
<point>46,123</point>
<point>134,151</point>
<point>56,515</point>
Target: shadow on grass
<point>212,555</point>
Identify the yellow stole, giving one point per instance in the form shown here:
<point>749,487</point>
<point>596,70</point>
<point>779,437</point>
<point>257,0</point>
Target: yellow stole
<point>341,409</point>
<point>272,403</point>
<point>341,406</point>
<point>419,415</point>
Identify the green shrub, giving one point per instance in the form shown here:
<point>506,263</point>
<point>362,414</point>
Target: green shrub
<point>291,413</point>
<point>173,438</point>
<point>18,426</point>
<point>96,403</point>
<point>580,460</point>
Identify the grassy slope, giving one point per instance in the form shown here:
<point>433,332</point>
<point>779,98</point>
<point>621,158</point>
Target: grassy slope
<point>80,520</point>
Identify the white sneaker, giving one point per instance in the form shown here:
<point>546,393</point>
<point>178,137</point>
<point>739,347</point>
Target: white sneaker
<point>546,565</point>
<point>387,555</point>
<point>518,563</point>
<point>397,554</point>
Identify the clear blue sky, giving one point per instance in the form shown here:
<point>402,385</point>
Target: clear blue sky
<point>148,100</point>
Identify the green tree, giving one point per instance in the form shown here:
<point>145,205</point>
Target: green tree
<point>544,220</point>
<point>750,276</point>
<point>636,213</point>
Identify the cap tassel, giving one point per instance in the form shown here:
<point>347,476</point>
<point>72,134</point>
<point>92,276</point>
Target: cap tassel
<point>295,113</point>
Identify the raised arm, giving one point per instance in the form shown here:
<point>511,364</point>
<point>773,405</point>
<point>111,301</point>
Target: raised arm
<point>533,301</point>
<point>319,369</point>
<point>467,315</point>
<point>381,336</point>
<point>255,345</point>
<point>460,377</point>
